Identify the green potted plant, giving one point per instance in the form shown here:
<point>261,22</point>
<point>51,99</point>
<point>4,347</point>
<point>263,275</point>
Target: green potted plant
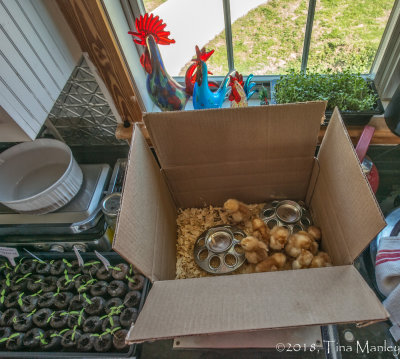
<point>355,96</point>
<point>263,96</point>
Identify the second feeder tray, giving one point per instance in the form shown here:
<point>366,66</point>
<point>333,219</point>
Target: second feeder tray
<point>218,250</point>
<point>290,214</point>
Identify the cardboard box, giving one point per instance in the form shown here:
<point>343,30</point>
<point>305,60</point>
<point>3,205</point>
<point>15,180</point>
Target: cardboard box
<point>253,154</point>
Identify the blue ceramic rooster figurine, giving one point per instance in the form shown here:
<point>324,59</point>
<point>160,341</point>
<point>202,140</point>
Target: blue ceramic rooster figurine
<point>203,97</point>
<point>165,92</point>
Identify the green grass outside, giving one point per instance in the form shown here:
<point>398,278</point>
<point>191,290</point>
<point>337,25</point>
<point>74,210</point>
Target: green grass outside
<point>269,39</point>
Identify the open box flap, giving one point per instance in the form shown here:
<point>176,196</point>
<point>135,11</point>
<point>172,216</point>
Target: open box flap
<point>253,301</point>
<point>146,228</point>
<point>343,203</point>
<point>245,153</point>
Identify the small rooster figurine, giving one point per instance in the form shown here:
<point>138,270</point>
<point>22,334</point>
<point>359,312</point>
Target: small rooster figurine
<point>241,91</point>
<point>203,97</point>
<point>238,96</point>
<point>165,92</point>
<point>191,73</point>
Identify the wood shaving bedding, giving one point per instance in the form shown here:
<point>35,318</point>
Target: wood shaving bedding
<point>194,221</point>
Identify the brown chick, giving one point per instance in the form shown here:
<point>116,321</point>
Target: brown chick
<point>255,250</point>
<point>260,230</point>
<point>278,238</point>
<point>238,211</point>
<point>288,264</point>
<point>322,259</point>
<point>271,264</point>
<point>315,232</point>
<point>303,260</point>
<point>314,247</point>
<point>297,242</point>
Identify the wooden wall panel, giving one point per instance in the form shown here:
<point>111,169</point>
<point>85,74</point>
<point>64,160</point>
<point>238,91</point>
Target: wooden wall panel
<point>90,25</point>
<point>35,64</point>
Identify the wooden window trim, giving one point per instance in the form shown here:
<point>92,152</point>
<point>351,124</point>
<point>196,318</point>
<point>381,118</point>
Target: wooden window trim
<point>89,23</point>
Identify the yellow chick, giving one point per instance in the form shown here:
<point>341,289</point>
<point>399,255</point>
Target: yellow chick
<point>260,230</point>
<point>238,211</point>
<point>322,259</point>
<point>297,242</point>
<point>303,260</point>
<point>271,264</point>
<point>278,238</point>
<point>255,250</point>
<point>315,232</point>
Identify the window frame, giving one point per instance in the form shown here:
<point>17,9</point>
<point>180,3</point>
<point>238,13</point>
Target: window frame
<point>135,8</point>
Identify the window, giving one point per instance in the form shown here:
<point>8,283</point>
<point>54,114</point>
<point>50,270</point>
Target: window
<point>271,37</point>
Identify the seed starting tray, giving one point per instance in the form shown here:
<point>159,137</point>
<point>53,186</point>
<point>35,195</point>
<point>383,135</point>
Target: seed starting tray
<point>132,350</point>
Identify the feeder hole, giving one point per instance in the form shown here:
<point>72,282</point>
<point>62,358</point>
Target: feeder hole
<point>230,260</point>
<point>272,223</point>
<point>238,236</point>
<point>238,249</point>
<point>297,228</point>
<point>269,212</point>
<point>201,242</point>
<point>203,254</point>
<point>215,262</point>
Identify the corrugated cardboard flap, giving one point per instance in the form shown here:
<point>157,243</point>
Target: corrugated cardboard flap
<point>254,301</point>
<point>246,153</point>
<point>343,203</point>
<point>146,228</point>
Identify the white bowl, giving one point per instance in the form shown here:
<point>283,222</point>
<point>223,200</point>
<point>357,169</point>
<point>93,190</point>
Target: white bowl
<point>38,177</point>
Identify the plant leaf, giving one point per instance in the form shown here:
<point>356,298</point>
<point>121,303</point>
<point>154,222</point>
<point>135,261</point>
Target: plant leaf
<point>86,298</point>
<point>50,316</point>
<point>67,263</point>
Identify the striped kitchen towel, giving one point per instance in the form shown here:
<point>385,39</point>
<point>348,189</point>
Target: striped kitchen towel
<point>387,272</point>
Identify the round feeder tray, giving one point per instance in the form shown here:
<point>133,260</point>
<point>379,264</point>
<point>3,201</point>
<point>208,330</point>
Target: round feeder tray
<point>218,251</point>
<point>290,214</point>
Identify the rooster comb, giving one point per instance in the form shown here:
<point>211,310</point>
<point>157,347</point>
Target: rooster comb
<point>151,25</point>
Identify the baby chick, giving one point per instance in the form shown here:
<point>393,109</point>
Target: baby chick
<point>238,211</point>
<point>255,250</point>
<point>260,230</point>
<point>322,259</point>
<point>279,237</point>
<point>314,247</point>
<point>303,260</point>
<point>315,232</point>
<point>297,242</point>
<point>271,264</point>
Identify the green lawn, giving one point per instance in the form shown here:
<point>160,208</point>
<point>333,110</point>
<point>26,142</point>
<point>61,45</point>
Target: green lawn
<point>269,39</point>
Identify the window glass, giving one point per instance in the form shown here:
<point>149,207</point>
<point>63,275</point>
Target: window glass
<point>346,34</point>
<point>267,36</point>
<point>189,26</point>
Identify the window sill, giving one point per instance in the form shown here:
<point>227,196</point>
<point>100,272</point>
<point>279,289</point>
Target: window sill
<point>382,135</point>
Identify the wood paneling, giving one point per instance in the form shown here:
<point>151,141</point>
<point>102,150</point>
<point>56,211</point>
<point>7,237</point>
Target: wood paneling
<point>90,25</point>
